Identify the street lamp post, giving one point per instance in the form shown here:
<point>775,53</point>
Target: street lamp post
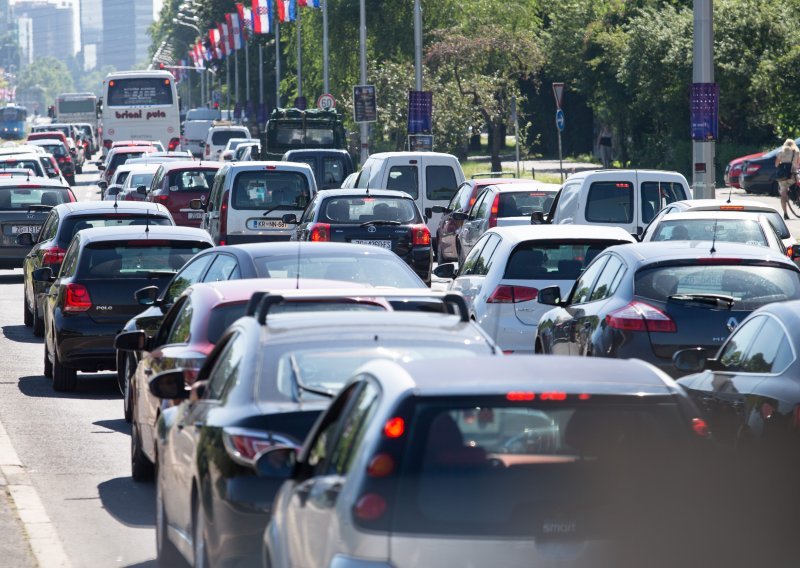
<point>362,36</point>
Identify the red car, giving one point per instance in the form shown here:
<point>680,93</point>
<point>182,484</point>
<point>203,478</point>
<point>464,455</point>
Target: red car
<point>734,169</point>
<point>178,182</point>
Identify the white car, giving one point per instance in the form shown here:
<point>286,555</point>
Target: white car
<point>140,175</point>
<point>502,275</point>
<point>230,148</point>
<point>217,138</point>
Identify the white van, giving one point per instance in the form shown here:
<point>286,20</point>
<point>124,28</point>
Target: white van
<point>617,198</point>
<point>195,129</point>
<point>249,199</point>
<point>218,136</point>
<point>431,178</point>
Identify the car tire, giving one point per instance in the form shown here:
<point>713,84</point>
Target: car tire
<point>168,555</point>
<point>64,379</point>
<point>27,314</point>
<point>124,380</point>
<point>142,469</point>
<point>78,169</point>
<point>38,322</point>
<point>199,539</point>
<point>48,365</point>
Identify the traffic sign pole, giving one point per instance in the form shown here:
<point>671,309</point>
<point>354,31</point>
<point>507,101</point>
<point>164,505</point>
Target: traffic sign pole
<point>560,123</point>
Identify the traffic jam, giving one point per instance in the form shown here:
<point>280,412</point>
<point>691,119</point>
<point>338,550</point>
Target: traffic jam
<point>325,366</point>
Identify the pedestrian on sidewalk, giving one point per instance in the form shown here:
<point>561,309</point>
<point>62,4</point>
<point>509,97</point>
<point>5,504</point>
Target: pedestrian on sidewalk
<point>604,143</point>
<point>787,162</point>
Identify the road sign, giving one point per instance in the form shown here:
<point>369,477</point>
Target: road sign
<point>326,102</point>
<point>420,143</point>
<point>560,120</point>
<point>365,105</point>
<point>558,92</point>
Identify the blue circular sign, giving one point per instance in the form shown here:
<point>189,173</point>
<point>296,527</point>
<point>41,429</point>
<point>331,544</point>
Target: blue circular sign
<point>560,120</point>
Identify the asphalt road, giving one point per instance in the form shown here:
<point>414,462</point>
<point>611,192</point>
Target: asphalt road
<point>74,447</point>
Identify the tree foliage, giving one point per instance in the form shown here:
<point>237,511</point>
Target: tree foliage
<point>47,75</point>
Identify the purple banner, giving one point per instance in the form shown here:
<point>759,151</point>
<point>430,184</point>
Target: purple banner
<point>420,111</point>
<point>704,111</point>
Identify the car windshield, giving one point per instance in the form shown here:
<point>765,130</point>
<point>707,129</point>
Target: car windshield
<point>750,286</point>
<point>191,180</point>
<point>75,223</point>
<point>553,260</point>
<point>221,137</point>
<point>357,210</point>
<point>135,180</point>
<point>486,466</point>
<point>19,199</point>
<point>747,231</point>
<point>121,157</point>
<point>262,189</point>
<point>136,258</point>
<point>362,270</point>
<point>523,203</point>
<point>58,150</point>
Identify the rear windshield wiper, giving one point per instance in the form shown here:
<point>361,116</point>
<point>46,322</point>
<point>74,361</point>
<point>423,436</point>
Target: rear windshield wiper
<point>280,206</point>
<point>379,222</point>
<point>711,299</point>
<point>301,386</point>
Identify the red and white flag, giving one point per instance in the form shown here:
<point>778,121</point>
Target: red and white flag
<point>214,36</point>
<point>223,39</point>
<point>246,20</point>
<point>261,13</point>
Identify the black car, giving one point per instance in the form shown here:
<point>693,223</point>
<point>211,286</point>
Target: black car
<point>63,221</point>
<point>211,504</point>
<point>92,296</point>
<point>381,218</point>
<point>361,265</point>
<point>758,174</point>
<point>330,166</point>
<point>649,300</point>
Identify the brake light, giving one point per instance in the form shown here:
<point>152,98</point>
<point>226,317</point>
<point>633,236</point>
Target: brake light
<point>504,294</point>
<point>61,159</point>
<point>370,507</point>
<point>731,207</point>
<point>520,396</point>
<point>173,144</point>
<point>394,427</point>
<point>320,232</point>
<point>790,251</point>
<point>160,198</point>
<point>700,427</point>
<point>553,396</point>
<point>244,446</point>
<point>420,235</point>
<point>381,465</point>
<point>107,143</point>
<point>494,211</point>
<point>76,298</point>
<point>223,218</point>
<point>53,255</point>
<point>638,316</point>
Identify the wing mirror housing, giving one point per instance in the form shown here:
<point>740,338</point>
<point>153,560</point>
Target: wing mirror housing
<point>439,209</point>
<point>146,296</point>
<point>537,218</point>
<point>25,239</point>
<point>277,462</point>
<point>169,385</point>
<point>446,271</point>
<point>101,167</point>
<point>131,341</point>
<point>44,274</point>
<point>550,296</point>
<point>289,218</point>
<point>694,360</point>
<point>102,184</point>
<point>141,189</point>
<point>459,216</point>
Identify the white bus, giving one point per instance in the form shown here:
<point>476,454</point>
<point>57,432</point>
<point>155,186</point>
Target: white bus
<point>72,108</point>
<point>140,105</point>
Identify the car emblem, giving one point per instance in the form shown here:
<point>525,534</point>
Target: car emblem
<point>732,323</point>
<point>105,308</point>
<point>372,229</point>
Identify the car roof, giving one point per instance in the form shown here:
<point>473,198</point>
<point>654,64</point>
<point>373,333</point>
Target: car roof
<point>240,290</point>
<point>35,182</point>
<point>43,141</point>
<point>190,165</point>
<point>715,204</point>
<point>721,215</point>
<point>314,152</point>
<point>527,186</point>
<point>260,165</point>
<point>122,207</point>
<point>486,375</point>
<point>517,233</point>
<point>357,192</point>
<point>660,251</point>
<point>130,149</point>
<point>404,154</point>
<point>258,250</point>
<point>611,174</point>
<point>142,232</point>
<point>144,168</point>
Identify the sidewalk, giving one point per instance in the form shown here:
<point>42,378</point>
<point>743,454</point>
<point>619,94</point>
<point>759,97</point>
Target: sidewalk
<point>15,550</point>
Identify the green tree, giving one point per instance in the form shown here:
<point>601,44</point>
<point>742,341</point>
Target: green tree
<point>45,74</point>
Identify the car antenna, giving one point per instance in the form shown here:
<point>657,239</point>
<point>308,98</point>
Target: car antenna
<point>297,281</point>
<point>714,239</point>
<point>730,190</point>
<point>147,220</point>
<point>116,198</point>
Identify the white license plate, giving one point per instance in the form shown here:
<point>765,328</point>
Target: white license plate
<point>195,215</point>
<point>382,244</point>
<point>257,224</point>
<point>17,229</point>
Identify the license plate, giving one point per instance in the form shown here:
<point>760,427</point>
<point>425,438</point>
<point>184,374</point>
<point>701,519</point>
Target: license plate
<point>382,244</point>
<point>195,215</point>
<point>257,224</point>
<point>17,229</point>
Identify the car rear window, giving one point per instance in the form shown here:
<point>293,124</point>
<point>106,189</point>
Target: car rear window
<point>221,317</point>
<point>136,180</point>
<point>191,180</point>
<point>33,165</point>
<point>481,466</point>
<point>372,270</point>
<point>523,203</point>
<point>58,150</point>
<point>263,189</point>
<point>221,137</point>
<point>657,194</point>
<point>137,258</point>
<point>356,210</point>
<point>746,231</point>
<point>18,198</point>
<point>401,178</point>
<point>75,223</point>
<point>610,202</point>
<point>750,286</point>
<point>121,157</point>
<point>556,260</point>
<point>440,182</point>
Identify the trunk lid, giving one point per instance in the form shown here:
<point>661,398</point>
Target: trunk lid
<point>23,221</point>
<point>396,238</point>
<point>112,298</point>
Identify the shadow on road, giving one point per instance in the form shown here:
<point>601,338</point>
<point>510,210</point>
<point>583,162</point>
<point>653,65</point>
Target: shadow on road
<point>117,425</point>
<point>145,564</point>
<point>132,504</point>
<point>91,386</point>
<point>11,278</point>
<point>20,334</point>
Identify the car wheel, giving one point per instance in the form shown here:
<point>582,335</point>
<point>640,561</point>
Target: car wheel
<point>78,169</point>
<point>124,372</point>
<point>199,539</point>
<point>27,314</point>
<point>168,555</point>
<point>48,366</point>
<point>142,468</point>
<point>38,322</point>
<point>774,189</point>
<point>64,379</point>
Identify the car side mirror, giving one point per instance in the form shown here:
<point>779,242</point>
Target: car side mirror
<point>550,296</point>
<point>196,204</point>
<point>796,253</point>
<point>446,270</point>
<point>141,190</point>
<point>459,216</point>
<point>440,209</point>
<point>113,190</point>
<point>101,167</point>
<point>102,184</point>
<point>169,385</point>
<point>692,360</point>
<point>289,218</point>
<point>25,239</point>
<point>537,218</point>
<point>428,212</point>
<point>146,296</point>
<point>131,341</point>
<point>277,462</point>
<point>202,144</point>
<point>44,274</point>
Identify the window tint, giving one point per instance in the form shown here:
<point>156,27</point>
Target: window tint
<point>138,92</point>
<point>472,257</point>
<point>19,199</point>
<point>733,355</point>
<point>552,260</point>
<point>403,178</point>
<point>610,202</point>
<point>70,260</point>
<point>76,223</point>
<point>769,350</point>
<point>190,274</point>
<point>270,190</point>
<point>49,228</point>
<point>476,207</point>
<point>191,180</point>
<point>523,203</point>
<point>226,368</point>
<point>356,210</point>
<point>332,171</point>
<point>583,286</point>
<point>354,427</point>
<point>440,182</point>
<point>745,231</point>
<point>221,269</point>
<point>221,137</point>
<point>221,318</point>
<point>460,200</point>
<point>609,278</point>
<point>33,165</point>
<point>137,259</point>
<point>484,260</point>
<point>121,157</point>
<point>482,211</point>
<point>325,436</point>
<point>656,194</point>
<point>182,326</point>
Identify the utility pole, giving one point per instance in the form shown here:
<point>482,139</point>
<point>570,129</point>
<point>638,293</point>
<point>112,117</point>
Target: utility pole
<point>362,37</point>
<point>703,150</point>
<point>299,55</point>
<point>277,63</point>
<point>326,86</point>
<point>417,46</point>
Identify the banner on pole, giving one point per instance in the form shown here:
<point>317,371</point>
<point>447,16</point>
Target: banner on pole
<point>420,112</point>
<point>365,106</point>
<point>704,107</point>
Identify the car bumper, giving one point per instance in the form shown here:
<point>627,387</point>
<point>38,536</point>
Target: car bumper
<point>510,334</point>
<point>244,239</point>
<point>420,259</point>
<point>12,256</point>
<point>757,183</point>
<point>85,345</point>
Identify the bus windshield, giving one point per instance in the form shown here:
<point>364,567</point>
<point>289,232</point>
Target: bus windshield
<point>139,92</point>
<point>76,106</point>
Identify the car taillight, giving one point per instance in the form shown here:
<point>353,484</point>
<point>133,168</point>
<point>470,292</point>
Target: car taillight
<point>504,294</point>
<point>494,211</point>
<point>752,168</point>
<point>53,255</point>
<point>76,298</point>
<point>420,235</point>
<point>638,316</point>
<point>208,150</point>
<point>790,251</point>
<point>107,143</point>
<point>245,445</point>
<point>173,144</point>
<point>320,232</point>
<point>370,507</point>
<point>160,198</point>
<point>223,218</point>
<point>700,427</point>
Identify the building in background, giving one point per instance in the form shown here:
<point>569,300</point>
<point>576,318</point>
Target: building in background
<point>25,40</point>
<point>53,26</point>
<point>91,22</point>
<point>126,40</point>
<point>5,17</point>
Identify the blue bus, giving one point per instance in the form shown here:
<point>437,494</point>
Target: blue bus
<point>12,122</point>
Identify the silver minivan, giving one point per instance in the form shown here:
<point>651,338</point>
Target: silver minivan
<point>249,199</point>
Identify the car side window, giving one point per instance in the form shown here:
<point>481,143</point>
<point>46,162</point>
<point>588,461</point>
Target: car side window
<point>216,192</point>
<point>733,354</point>
<point>325,434</point>
<point>484,261</point>
<point>486,202</point>
<point>440,182</point>
<point>404,178</point>
<point>354,426</point>
<point>308,213</point>
<point>181,328</point>
<point>189,274</point>
<point>770,350</point>
<point>226,368</point>
<point>583,287</point>
<point>70,263</point>
<point>608,280</point>
<point>472,257</point>
<point>49,228</point>
<point>474,211</point>
<point>221,269</point>
<point>455,203</point>
<point>568,203</point>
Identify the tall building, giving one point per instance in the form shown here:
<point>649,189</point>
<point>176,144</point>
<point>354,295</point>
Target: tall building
<point>91,21</point>
<point>125,32</point>
<point>5,17</point>
<point>53,27</point>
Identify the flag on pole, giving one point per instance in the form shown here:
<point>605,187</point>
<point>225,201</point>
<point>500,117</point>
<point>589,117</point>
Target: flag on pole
<point>261,11</point>
<point>223,39</point>
<point>214,36</point>
<point>228,28</point>
<point>245,20</point>
<point>309,3</point>
<point>286,10</point>
<point>206,51</point>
